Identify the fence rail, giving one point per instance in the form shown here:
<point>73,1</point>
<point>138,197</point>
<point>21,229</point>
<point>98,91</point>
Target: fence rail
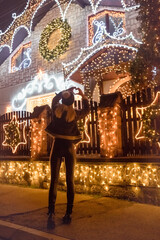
<point>92,147</point>
<point>131,124</point>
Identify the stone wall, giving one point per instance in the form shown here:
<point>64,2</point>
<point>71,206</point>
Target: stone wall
<point>132,181</point>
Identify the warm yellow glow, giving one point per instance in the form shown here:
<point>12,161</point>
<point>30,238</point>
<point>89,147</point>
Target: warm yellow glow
<point>14,119</point>
<point>54,39</point>
<point>39,101</point>
<point>8,109</point>
<point>108,131</point>
<point>87,176</point>
<point>140,111</point>
<point>40,74</point>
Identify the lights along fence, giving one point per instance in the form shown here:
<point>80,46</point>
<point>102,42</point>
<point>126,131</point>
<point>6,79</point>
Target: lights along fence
<point>23,126</point>
<point>90,135</point>
<point>131,124</point>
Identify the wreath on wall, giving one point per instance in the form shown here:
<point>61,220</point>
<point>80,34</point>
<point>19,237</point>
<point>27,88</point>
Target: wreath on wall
<point>63,43</point>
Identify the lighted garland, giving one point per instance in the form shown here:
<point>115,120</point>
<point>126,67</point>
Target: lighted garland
<point>147,118</point>
<point>63,43</point>
<point>147,115</point>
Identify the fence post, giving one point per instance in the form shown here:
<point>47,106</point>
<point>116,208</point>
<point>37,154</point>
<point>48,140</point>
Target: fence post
<point>38,135</point>
<point>110,125</point>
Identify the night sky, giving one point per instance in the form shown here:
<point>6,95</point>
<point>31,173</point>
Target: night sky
<point>7,7</point>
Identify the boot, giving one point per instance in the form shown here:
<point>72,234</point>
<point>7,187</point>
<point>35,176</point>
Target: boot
<point>51,221</point>
<point>67,218</point>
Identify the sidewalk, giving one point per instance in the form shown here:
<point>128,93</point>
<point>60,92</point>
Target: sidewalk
<point>23,216</point>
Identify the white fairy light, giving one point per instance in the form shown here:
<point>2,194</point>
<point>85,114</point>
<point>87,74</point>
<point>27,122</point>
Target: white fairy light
<point>123,38</point>
<point>30,28</point>
<point>63,14</point>
<point>14,16</point>
<point>95,51</point>
<point>92,46</point>
<point>5,45</point>
<point>42,81</point>
<point>81,52</point>
<point>129,8</point>
<point>94,7</point>
<point>15,32</point>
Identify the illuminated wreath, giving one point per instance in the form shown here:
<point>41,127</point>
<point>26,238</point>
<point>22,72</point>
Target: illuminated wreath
<point>63,43</point>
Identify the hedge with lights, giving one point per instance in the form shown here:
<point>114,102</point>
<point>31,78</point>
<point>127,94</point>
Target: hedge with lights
<point>63,44</point>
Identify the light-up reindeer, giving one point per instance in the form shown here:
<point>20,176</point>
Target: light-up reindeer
<point>98,36</point>
<point>25,63</point>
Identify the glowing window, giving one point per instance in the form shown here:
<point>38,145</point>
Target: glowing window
<point>111,21</point>
<point>22,58</point>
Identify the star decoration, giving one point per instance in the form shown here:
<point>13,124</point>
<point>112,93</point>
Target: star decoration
<point>147,115</point>
<point>13,135</point>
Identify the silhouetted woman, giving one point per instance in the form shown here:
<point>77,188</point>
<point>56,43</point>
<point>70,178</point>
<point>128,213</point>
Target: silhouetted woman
<point>65,130</point>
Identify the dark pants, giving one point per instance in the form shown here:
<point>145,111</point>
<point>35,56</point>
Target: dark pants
<point>62,148</point>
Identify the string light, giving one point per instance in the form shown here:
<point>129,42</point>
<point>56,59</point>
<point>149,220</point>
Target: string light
<point>23,20</point>
<point>63,14</point>
<point>153,109</point>
<point>108,125</point>
<point>129,8</point>
<point>12,134</point>
<point>106,63</point>
<point>94,7</point>
<point>88,177</point>
<point>14,19</point>
<point>88,139</point>
<point>39,83</point>
<point>79,63</point>
<point>38,137</point>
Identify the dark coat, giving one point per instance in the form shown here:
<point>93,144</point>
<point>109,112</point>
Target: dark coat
<point>60,128</point>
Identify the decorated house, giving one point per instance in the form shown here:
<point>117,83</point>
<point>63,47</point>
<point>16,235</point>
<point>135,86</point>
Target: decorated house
<point>53,45</point>
<point>40,57</point>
